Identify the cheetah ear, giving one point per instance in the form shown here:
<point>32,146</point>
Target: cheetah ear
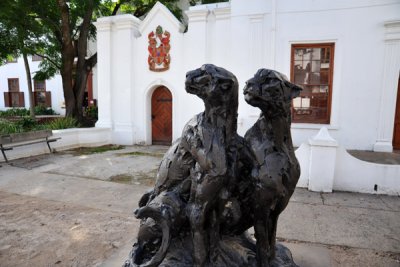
<point>295,91</point>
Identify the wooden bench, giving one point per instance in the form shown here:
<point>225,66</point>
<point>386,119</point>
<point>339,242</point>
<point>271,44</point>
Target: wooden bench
<point>9,141</point>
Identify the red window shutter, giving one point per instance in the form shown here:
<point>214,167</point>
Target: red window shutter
<point>7,99</point>
<point>48,99</point>
<point>21,99</point>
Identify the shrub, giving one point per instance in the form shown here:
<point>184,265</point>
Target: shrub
<point>14,112</point>
<point>92,112</point>
<point>42,110</point>
<point>8,127</point>
<point>26,123</point>
<point>62,123</point>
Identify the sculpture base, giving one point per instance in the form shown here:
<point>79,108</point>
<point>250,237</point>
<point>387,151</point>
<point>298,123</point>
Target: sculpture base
<point>232,251</point>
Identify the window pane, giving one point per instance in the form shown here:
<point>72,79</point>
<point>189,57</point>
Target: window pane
<point>315,66</point>
<point>316,53</point>
<point>324,77</point>
<point>314,78</point>
<point>39,86</point>
<point>326,53</point>
<point>298,54</point>
<point>299,74</point>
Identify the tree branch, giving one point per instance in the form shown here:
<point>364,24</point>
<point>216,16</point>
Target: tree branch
<point>117,7</point>
<point>50,60</point>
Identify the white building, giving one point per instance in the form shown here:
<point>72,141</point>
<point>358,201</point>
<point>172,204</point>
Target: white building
<point>345,54</point>
<point>14,87</point>
<point>49,93</point>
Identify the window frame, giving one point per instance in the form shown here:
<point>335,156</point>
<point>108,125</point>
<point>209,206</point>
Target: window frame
<point>330,45</point>
<point>8,84</point>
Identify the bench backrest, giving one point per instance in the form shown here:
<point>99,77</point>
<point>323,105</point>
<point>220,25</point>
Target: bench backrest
<point>22,137</point>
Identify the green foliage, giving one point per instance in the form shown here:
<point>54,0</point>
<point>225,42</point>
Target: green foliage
<point>14,112</point>
<point>138,8</point>
<point>62,123</point>
<point>58,31</point>
<point>92,112</point>
<point>203,2</point>
<point>21,112</point>
<point>8,127</point>
<point>19,32</point>
<point>42,110</point>
<point>99,149</point>
<point>27,124</point>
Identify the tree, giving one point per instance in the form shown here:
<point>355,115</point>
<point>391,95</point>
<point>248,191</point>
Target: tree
<point>19,37</point>
<point>63,29</point>
<point>69,26</point>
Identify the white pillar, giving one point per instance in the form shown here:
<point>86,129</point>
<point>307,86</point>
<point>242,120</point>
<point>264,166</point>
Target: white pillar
<point>257,57</point>
<point>122,79</point>
<point>221,38</point>
<point>195,43</point>
<point>322,161</point>
<point>389,87</point>
<point>103,26</point>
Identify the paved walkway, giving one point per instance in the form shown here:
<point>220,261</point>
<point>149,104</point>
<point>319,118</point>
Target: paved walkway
<point>336,229</point>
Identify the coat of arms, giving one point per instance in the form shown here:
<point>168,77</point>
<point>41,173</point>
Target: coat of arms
<point>159,47</point>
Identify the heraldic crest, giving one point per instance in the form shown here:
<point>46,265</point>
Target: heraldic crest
<point>159,47</point>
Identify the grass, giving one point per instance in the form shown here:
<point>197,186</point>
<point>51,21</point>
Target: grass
<point>140,153</point>
<point>122,178</point>
<point>142,178</point>
<point>98,149</point>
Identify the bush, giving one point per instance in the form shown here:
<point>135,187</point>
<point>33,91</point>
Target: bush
<point>42,110</point>
<point>21,112</point>
<point>8,127</point>
<point>14,112</point>
<point>62,123</point>
<point>92,112</point>
<point>27,124</point>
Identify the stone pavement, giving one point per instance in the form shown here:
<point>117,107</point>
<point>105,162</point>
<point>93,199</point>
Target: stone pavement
<point>321,229</point>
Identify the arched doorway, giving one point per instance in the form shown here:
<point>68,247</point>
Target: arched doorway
<point>161,116</point>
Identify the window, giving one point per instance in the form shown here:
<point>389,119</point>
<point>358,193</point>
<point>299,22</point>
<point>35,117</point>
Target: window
<point>37,58</point>
<point>39,86</point>
<point>14,98</point>
<point>42,98</point>
<point>312,70</point>
<point>13,85</point>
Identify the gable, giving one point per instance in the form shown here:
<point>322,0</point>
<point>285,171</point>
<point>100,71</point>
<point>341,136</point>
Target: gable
<point>159,14</point>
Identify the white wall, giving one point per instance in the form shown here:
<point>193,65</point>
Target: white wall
<point>243,36</point>
<point>326,166</point>
<point>17,70</point>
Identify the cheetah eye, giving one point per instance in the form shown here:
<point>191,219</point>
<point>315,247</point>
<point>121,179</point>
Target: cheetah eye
<point>225,86</point>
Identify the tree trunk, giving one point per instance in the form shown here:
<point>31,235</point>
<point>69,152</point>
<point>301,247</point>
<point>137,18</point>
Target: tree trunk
<point>67,60</point>
<point>29,81</point>
<point>82,68</point>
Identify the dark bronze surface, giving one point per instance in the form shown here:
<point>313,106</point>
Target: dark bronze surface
<point>212,185</point>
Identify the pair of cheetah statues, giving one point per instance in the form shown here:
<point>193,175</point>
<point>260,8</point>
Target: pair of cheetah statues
<point>213,185</point>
